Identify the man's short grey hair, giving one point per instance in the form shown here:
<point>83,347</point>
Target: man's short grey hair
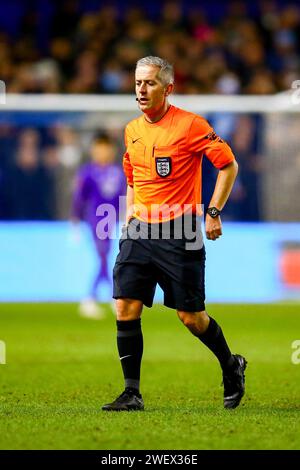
<point>166,73</point>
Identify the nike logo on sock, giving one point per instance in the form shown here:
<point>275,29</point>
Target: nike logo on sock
<point>123,357</point>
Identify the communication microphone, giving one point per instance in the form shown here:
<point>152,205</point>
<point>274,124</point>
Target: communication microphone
<point>136,99</point>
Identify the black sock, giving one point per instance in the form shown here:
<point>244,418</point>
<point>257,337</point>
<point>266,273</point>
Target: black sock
<point>214,339</point>
<point>130,347</point>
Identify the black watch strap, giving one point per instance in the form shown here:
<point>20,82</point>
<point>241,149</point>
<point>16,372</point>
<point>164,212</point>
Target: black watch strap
<point>213,212</point>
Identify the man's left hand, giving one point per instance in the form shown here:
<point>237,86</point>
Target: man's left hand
<point>213,227</point>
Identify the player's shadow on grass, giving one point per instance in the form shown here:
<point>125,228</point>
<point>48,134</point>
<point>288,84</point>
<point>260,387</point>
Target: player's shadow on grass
<point>248,407</point>
<point>270,409</point>
<point>187,409</point>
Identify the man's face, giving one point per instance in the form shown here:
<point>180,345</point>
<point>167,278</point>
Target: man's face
<point>103,153</point>
<point>149,90</point>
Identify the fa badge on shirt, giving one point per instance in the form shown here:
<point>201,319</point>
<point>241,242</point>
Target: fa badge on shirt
<point>163,166</point>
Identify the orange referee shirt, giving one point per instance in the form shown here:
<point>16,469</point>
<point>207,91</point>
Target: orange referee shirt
<point>163,160</point>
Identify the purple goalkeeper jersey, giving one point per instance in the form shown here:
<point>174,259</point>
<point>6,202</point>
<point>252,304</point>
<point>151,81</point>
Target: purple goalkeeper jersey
<point>97,184</point>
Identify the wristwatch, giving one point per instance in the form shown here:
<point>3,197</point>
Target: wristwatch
<point>213,212</point>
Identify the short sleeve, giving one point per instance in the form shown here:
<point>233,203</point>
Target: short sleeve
<point>202,139</point>
<point>80,194</point>
<point>127,165</point>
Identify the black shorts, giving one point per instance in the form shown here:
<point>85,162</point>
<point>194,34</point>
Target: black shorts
<point>142,263</point>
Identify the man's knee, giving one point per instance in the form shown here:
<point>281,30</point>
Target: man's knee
<point>187,318</point>
<point>128,309</point>
<point>196,322</point>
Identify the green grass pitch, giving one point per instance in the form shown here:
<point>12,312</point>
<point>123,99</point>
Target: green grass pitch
<point>61,368</point>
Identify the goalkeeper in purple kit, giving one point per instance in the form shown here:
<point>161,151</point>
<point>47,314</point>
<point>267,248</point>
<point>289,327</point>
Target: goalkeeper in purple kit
<point>100,181</point>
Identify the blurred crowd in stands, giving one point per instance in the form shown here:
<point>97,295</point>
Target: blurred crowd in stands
<point>82,50</point>
<point>37,168</point>
<point>78,49</point>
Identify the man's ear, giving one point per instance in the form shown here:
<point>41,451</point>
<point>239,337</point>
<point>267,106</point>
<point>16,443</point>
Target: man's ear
<point>169,89</point>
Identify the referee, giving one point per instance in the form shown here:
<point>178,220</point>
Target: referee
<point>160,243</point>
